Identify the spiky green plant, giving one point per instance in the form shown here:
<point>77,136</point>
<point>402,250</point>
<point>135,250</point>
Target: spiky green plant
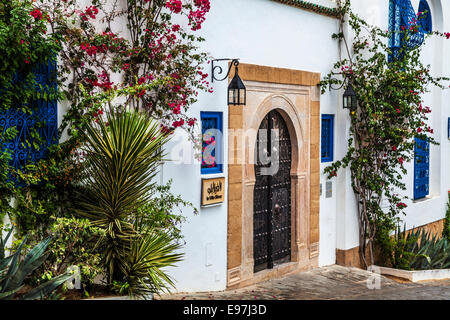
<point>396,248</point>
<point>123,153</point>
<point>446,230</point>
<point>143,267</point>
<point>430,252</point>
<point>14,270</point>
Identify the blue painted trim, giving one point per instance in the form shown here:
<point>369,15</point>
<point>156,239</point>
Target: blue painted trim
<point>421,168</point>
<point>218,117</point>
<point>448,128</point>
<point>327,142</point>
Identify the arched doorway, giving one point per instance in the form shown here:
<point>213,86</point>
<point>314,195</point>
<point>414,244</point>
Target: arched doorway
<point>272,194</point>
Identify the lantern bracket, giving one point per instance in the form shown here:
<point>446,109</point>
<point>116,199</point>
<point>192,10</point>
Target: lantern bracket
<point>343,84</point>
<point>219,70</point>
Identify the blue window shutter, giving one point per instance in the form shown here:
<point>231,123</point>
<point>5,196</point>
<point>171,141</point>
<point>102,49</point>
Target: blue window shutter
<point>402,14</point>
<point>44,116</point>
<point>212,125</point>
<point>421,168</point>
<point>327,144</point>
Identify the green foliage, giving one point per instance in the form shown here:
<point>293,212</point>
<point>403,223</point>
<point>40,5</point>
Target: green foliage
<point>446,230</point>
<point>159,212</point>
<point>396,247</point>
<point>389,115</point>
<point>15,268</point>
<point>76,242</point>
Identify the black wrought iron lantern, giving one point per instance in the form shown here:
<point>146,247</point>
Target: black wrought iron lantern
<point>350,99</point>
<point>237,93</point>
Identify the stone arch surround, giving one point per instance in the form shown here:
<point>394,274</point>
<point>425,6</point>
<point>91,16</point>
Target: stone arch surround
<point>295,95</point>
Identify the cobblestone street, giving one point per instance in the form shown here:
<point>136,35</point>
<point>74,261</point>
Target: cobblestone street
<point>329,283</point>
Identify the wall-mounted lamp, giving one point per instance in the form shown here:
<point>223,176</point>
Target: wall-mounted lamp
<point>350,99</point>
<point>237,93</point>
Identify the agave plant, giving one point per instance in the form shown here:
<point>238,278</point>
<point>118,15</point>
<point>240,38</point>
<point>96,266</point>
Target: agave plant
<point>430,252</point>
<point>123,153</point>
<point>14,270</point>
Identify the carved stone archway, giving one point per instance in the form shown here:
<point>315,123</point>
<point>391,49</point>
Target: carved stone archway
<point>295,95</point>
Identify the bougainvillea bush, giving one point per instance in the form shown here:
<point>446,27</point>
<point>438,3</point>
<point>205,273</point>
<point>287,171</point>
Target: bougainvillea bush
<point>148,48</point>
<point>390,114</point>
<point>102,46</point>
<point>115,45</point>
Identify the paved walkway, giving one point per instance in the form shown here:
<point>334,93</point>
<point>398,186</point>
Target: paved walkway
<point>329,283</point>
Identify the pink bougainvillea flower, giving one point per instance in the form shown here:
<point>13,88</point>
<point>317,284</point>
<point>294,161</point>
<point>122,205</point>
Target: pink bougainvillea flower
<point>37,14</point>
<point>174,5</point>
<point>175,27</point>
<point>401,205</point>
<point>191,122</point>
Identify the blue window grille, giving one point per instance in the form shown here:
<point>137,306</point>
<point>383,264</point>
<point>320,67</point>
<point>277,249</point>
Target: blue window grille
<point>43,117</point>
<point>425,20</point>
<point>402,14</point>
<point>327,145</point>
<point>212,142</point>
<point>421,168</point>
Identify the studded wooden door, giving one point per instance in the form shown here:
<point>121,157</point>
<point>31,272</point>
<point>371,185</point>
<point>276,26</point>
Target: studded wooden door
<point>272,194</point>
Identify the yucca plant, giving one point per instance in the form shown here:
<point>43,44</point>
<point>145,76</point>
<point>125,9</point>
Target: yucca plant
<point>142,269</point>
<point>14,270</point>
<point>123,153</point>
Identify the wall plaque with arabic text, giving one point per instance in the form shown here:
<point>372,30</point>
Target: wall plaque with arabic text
<point>213,191</point>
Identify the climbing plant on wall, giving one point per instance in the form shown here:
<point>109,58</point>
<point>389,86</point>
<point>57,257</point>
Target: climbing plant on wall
<point>390,114</point>
<point>28,95</point>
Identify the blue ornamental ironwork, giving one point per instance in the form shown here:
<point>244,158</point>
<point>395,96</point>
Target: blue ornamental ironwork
<point>425,21</point>
<point>40,115</point>
<point>403,16</point>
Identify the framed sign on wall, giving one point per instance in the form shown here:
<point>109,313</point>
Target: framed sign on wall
<point>213,191</point>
